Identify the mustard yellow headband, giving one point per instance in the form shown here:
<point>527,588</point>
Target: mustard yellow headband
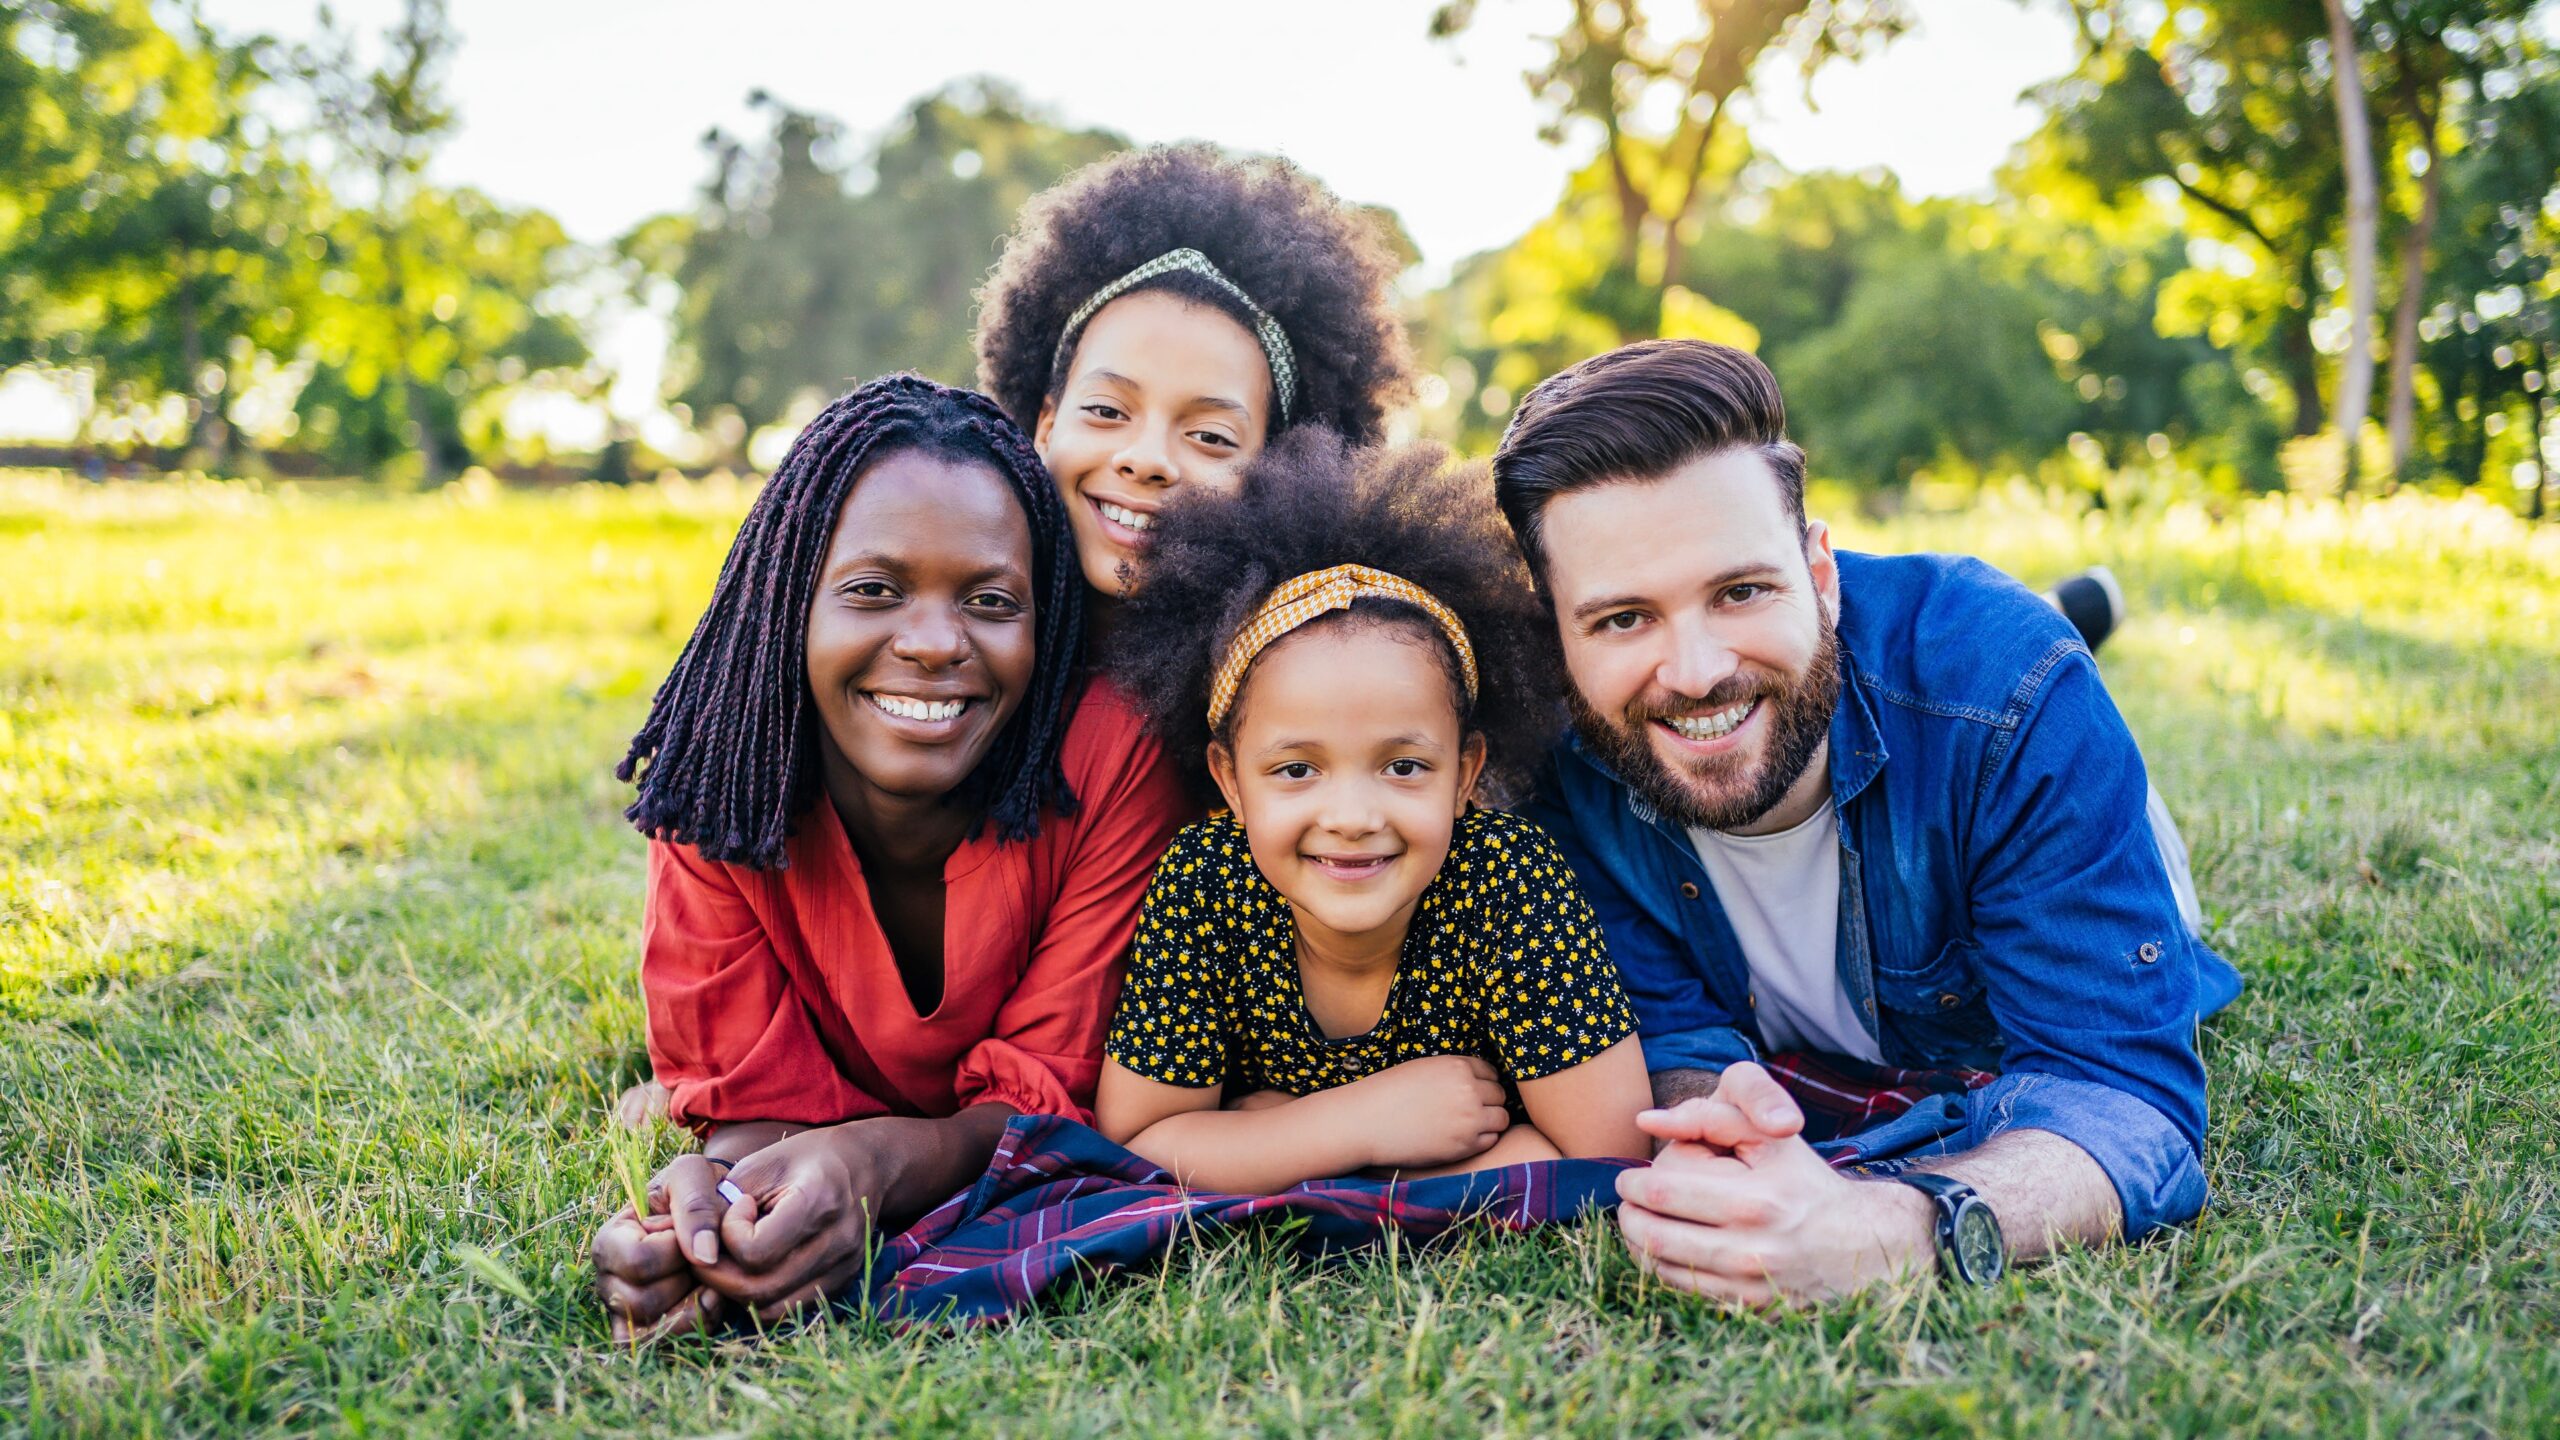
<point>1321,592</point>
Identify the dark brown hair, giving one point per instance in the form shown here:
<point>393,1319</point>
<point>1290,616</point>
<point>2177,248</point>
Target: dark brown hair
<point>1638,413</point>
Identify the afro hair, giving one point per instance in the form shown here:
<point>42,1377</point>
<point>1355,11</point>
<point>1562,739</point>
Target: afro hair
<point>1318,266</point>
<point>1311,501</point>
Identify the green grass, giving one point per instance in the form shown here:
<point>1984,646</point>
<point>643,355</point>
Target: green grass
<point>317,928</point>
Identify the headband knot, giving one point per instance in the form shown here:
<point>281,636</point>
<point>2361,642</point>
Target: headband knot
<point>1321,592</point>
<point>1275,341</point>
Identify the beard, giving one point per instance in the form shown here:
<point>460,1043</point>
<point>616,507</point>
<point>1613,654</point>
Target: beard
<point>1722,792</point>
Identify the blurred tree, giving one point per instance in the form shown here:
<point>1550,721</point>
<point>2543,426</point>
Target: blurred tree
<point>2225,104</point>
<point>434,302</point>
<point>1610,68</point>
<point>1510,317</point>
<point>2435,62</point>
<point>805,270</point>
<point>150,217</point>
<point>383,121</point>
<point>1906,334</point>
<point>420,339</point>
<point>2363,221</point>
<point>2492,347</point>
<point>1934,356</point>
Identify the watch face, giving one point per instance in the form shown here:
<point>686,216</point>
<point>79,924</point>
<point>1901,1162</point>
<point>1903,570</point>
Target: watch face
<point>1981,1253</point>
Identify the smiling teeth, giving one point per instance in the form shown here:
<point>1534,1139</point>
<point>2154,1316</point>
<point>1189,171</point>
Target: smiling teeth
<point>910,709</point>
<point>1710,727</point>
<point>1123,515</point>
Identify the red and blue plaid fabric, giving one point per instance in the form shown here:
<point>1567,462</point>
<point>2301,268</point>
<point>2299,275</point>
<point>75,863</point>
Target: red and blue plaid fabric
<point>1058,1200</point>
<point>1841,1096</point>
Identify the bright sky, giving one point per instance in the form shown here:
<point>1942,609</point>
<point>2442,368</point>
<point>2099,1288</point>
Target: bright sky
<point>594,110</point>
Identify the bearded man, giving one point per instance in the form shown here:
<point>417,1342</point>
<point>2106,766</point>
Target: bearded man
<point>1875,854</point>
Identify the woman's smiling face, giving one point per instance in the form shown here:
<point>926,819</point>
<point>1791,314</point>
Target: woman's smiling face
<point>1163,393</point>
<point>921,632</point>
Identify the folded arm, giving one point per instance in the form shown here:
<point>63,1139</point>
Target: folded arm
<point>1423,1116</point>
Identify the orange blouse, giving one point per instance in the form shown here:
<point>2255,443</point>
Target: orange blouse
<point>773,995</point>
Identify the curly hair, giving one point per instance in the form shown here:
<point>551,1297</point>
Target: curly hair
<point>1316,265</point>
<point>730,748</point>
<point>1312,501</point>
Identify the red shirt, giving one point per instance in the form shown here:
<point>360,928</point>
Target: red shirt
<point>773,995</point>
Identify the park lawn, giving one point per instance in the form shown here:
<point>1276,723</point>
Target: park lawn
<point>317,937</point>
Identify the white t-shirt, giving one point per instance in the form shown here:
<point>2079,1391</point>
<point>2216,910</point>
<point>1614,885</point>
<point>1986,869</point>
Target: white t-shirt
<point>1782,893</point>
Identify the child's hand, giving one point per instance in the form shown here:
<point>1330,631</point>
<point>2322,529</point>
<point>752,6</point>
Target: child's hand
<point>1433,1111</point>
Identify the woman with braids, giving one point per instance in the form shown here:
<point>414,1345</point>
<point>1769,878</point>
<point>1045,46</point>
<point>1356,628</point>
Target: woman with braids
<point>1159,316</point>
<point>1355,968</point>
<point>897,845</point>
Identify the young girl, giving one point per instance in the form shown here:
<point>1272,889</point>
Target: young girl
<point>1355,969</point>
<point>1157,317</point>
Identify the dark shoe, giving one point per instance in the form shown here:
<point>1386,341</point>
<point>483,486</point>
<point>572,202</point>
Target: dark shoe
<point>2093,602</point>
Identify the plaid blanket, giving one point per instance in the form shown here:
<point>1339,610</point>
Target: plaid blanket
<point>1842,1097</point>
<point>1058,1200</point>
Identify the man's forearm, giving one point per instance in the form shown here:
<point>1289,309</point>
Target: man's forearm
<point>2048,1193</point>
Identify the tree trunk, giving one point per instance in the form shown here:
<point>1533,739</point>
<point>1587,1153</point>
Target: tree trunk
<point>2300,358</point>
<point>2355,142</point>
<point>1674,249</point>
<point>208,436</point>
<point>403,337</point>
<point>2401,412</point>
<point>2543,437</point>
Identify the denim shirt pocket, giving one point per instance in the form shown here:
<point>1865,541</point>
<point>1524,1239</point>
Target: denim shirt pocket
<point>1935,1017</point>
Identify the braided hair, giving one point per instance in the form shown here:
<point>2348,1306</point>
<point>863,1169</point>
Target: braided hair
<point>1318,266</point>
<point>730,749</point>
<point>1311,502</point>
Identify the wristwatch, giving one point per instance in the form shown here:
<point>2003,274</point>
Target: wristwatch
<point>1971,1247</point>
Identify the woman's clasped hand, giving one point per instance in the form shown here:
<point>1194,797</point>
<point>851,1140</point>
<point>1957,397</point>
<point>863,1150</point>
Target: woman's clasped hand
<point>798,1233</point>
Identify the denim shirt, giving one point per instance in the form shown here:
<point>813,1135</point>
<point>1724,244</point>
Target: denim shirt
<point>2003,905</point>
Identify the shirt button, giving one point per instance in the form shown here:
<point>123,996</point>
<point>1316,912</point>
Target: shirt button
<point>1755,1001</point>
<point>1688,890</point>
<point>1947,1000</point>
<point>2149,952</point>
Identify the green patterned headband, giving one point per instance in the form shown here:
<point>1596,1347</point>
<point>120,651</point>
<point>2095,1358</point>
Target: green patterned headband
<point>1275,341</point>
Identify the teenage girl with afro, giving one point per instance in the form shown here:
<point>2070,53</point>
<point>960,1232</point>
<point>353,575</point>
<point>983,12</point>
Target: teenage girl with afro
<point>1159,317</point>
<point>1355,967</point>
<point>897,842</point>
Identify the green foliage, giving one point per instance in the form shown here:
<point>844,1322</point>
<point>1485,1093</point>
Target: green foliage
<point>159,226</point>
<point>806,271</point>
<point>1611,67</point>
<point>2491,345</point>
<point>155,214</point>
<point>1906,334</point>
<point>1930,356</point>
<point>2226,106</point>
<point>317,974</point>
<point>457,299</point>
